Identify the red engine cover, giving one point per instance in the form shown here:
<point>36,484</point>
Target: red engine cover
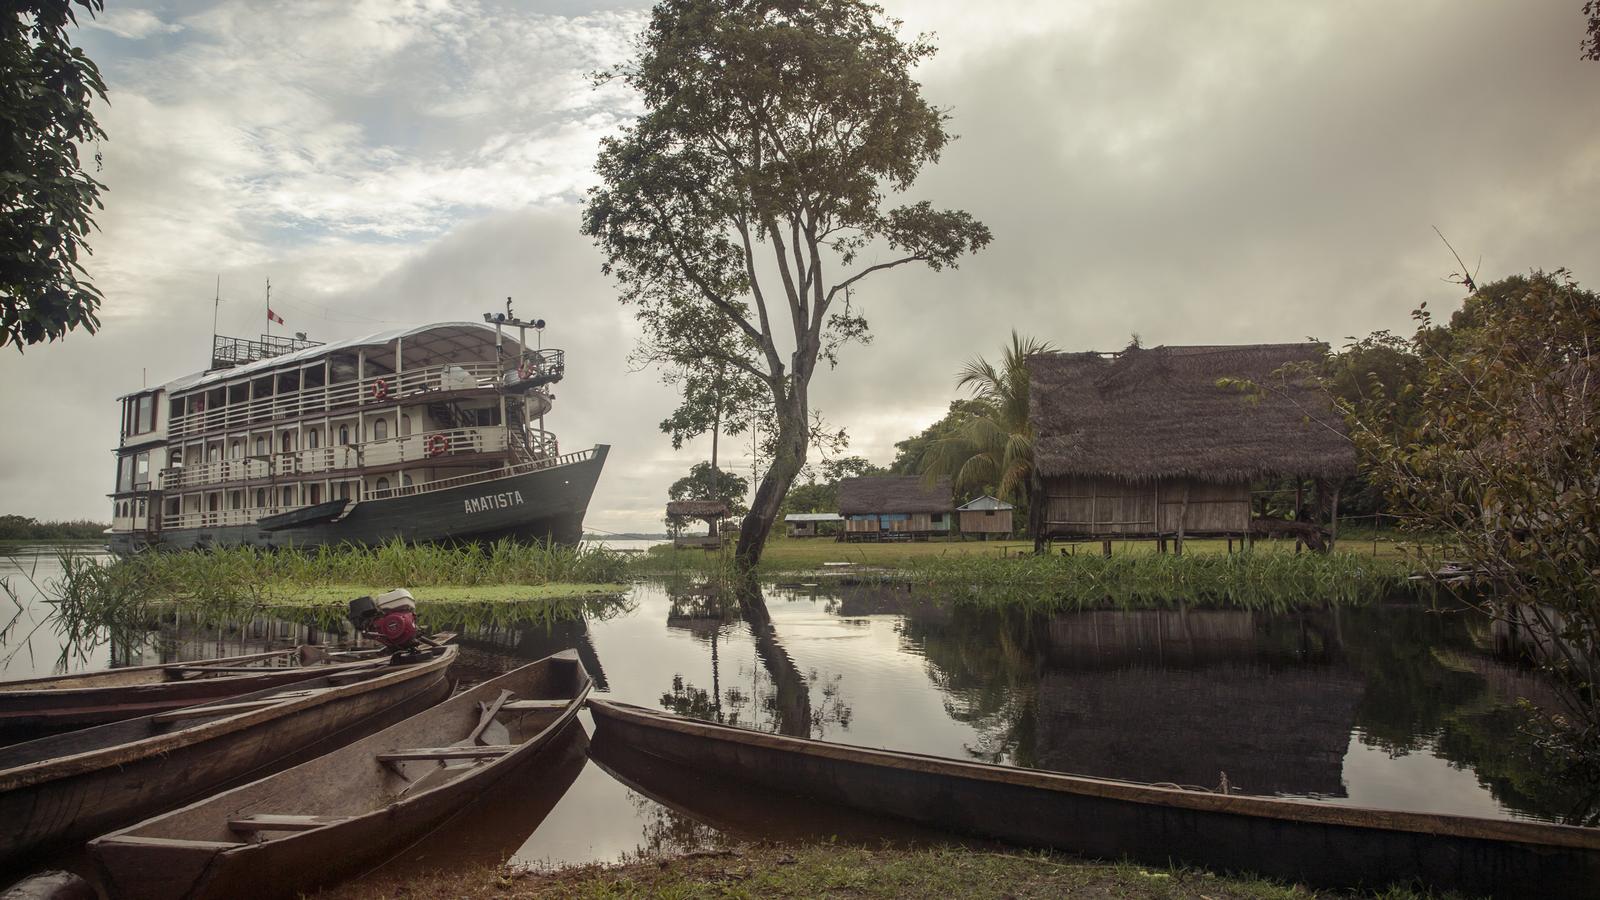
<point>396,629</point>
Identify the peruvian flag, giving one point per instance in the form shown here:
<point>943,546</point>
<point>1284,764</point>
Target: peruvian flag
<point>274,317</point>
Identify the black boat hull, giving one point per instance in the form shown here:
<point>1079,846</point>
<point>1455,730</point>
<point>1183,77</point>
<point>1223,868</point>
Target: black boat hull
<point>545,504</point>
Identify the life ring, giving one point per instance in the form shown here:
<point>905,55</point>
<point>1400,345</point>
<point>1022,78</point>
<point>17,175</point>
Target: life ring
<point>380,389</point>
<point>438,445</point>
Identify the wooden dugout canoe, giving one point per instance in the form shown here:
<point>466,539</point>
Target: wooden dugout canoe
<point>73,786</point>
<point>34,707</point>
<point>341,814</point>
<point>1317,843</point>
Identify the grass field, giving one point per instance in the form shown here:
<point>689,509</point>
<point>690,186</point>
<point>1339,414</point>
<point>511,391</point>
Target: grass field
<point>801,554</point>
<point>831,870</point>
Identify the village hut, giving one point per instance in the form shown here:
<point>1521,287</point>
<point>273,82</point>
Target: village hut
<point>712,512</point>
<point>987,516</point>
<point>804,525</point>
<point>895,508</point>
<point>1147,443</point>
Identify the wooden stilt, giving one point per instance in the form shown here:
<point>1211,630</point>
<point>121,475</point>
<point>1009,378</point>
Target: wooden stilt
<point>1105,548</point>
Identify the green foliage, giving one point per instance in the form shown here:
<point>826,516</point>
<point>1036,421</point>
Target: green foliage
<point>911,455</point>
<point>770,137</point>
<point>1499,460</point>
<point>26,528</point>
<point>988,447</point>
<point>1274,582</point>
<point>46,87</point>
<point>706,483</point>
<point>822,495</point>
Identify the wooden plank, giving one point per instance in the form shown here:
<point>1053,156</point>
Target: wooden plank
<point>526,705</point>
<point>270,822</point>
<point>444,753</point>
<point>225,709</point>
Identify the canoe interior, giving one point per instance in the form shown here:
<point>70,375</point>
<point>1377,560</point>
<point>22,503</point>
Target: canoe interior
<point>130,731</point>
<point>1318,844</point>
<point>351,781</point>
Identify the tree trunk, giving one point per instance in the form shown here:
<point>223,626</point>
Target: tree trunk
<point>793,441</point>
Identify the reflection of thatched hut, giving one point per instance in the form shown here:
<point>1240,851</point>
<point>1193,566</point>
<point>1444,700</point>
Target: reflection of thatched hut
<point>1145,443</point>
<point>895,507</point>
<point>712,512</point>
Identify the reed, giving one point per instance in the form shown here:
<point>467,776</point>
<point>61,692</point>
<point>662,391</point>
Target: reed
<point>1266,581</point>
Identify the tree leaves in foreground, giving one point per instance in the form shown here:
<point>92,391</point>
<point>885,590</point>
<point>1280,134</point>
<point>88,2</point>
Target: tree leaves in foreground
<point>46,87</point>
<point>739,212</point>
<point>1493,447</point>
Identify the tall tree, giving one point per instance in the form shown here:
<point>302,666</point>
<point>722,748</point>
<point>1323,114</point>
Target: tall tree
<point>46,86</point>
<point>991,449</point>
<point>704,482</point>
<point>741,209</point>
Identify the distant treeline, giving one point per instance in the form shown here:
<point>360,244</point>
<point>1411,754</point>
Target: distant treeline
<point>27,528</point>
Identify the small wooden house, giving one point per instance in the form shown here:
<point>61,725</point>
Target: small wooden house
<point>895,507</point>
<point>1147,444</point>
<point>803,525</point>
<point>987,516</point>
<point>712,512</point>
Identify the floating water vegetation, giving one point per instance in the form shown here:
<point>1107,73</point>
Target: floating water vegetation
<point>1266,581</point>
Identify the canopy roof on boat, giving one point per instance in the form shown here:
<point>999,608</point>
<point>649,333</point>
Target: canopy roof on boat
<point>423,345</point>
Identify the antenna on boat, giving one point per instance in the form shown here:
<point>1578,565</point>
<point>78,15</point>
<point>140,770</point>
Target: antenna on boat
<point>215,305</point>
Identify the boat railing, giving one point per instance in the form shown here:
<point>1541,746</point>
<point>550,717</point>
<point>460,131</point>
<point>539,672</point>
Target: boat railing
<point>521,468</point>
<point>383,388</point>
<point>249,516</point>
<point>422,448</point>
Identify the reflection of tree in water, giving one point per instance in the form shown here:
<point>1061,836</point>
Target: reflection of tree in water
<point>779,697</point>
<point>986,665</point>
<point>668,833</point>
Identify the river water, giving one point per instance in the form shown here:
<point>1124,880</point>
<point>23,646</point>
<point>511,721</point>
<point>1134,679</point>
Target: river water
<point>1392,706</point>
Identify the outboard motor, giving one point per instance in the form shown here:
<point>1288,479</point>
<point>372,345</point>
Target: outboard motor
<point>390,619</point>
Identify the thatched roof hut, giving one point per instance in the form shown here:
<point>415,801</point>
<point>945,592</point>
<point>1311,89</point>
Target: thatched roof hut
<point>893,494</point>
<point>1147,443</point>
<point>1144,414</point>
<point>698,509</point>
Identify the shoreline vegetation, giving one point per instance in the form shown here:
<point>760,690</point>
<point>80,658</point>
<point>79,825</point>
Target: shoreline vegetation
<point>826,869</point>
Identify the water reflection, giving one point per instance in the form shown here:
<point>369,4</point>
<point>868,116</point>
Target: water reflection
<point>1387,705</point>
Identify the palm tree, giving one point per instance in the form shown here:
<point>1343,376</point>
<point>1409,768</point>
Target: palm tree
<point>993,449</point>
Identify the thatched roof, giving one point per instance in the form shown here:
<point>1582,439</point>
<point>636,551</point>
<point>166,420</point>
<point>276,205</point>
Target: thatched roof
<point>1158,413</point>
<point>893,494</point>
<point>697,509</point>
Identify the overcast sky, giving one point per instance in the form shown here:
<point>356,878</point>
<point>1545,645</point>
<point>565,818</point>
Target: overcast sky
<point>1194,173</point>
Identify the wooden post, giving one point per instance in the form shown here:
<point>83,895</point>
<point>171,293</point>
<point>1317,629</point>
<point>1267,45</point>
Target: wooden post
<point>1230,545</point>
<point>1183,514</point>
<point>1299,498</point>
<point>1333,521</point>
<point>1105,547</point>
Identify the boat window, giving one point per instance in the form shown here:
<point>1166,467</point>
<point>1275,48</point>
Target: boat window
<point>344,490</point>
<point>382,486</point>
<point>313,438</point>
<point>405,426</point>
<point>316,494</point>
<point>235,450</point>
<point>213,453</point>
<point>405,481</point>
<point>288,441</point>
<point>147,413</point>
<point>235,499</point>
<point>141,469</point>
<point>288,496</point>
<point>380,429</point>
<point>344,435</point>
<point>261,445</point>
<point>261,496</point>
<point>314,376</point>
<point>214,502</point>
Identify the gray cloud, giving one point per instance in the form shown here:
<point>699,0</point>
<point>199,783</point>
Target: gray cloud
<point>1224,173</point>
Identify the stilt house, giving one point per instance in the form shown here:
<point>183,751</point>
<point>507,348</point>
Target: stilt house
<point>1146,444</point>
<point>987,516</point>
<point>895,507</point>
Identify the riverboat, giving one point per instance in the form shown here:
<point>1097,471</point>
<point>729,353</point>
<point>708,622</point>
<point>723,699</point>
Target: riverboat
<point>423,434</point>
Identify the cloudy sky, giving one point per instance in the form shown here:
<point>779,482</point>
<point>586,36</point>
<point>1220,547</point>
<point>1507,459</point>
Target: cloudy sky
<point>1224,172</point>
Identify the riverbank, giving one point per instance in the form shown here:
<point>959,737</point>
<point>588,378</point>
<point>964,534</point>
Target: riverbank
<point>831,870</point>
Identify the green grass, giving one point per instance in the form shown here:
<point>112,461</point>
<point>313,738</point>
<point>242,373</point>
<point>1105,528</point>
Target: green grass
<point>326,594</point>
<point>832,870</point>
